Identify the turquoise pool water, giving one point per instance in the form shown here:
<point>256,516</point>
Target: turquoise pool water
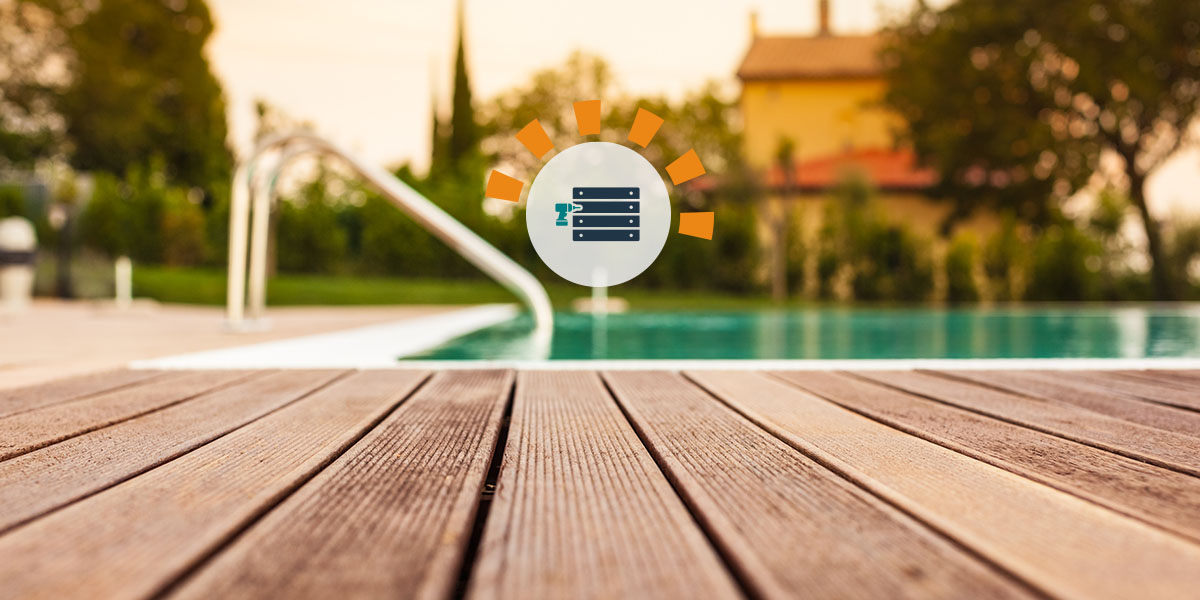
<point>860,333</point>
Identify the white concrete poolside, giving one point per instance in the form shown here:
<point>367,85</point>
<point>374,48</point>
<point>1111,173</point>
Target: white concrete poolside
<point>55,339</point>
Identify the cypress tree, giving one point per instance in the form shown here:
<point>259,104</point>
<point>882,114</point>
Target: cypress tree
<point>464,131</point>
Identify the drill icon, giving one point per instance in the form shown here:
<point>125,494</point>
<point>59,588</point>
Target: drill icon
<point>563,209</point>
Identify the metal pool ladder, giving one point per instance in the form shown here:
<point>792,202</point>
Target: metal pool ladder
<point>254,184</point>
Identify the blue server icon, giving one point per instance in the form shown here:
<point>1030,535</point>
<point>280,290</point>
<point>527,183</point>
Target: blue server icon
<point>603,214</point>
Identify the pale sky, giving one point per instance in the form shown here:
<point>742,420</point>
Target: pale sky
<point>364,71</point>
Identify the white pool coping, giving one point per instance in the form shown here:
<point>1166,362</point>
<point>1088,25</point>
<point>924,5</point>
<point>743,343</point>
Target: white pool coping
<point>370,347</point>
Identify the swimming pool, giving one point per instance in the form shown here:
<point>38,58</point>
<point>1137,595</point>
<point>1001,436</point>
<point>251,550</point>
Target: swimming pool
<point>1065,332</point>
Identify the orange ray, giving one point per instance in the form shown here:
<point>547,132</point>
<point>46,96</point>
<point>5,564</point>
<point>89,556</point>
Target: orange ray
<point>645,125</point>
<point>685,168</point>
<point>587,115</point>
<point>503,187</point>
<point>535,139</point>
<point>696,224</point>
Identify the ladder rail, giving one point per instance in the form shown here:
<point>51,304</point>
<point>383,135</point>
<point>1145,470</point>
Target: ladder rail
<point>254,185</point>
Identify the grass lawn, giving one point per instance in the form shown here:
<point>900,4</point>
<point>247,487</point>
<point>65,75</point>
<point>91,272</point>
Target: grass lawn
<point>201,286</point>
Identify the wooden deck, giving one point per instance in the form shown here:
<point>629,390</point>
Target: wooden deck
<point>543,484</point>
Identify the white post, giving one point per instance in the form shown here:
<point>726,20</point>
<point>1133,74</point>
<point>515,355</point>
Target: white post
<point>18,243</point>
<point>123,274</point>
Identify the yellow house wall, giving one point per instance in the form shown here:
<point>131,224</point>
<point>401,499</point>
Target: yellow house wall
<point>822,117</point>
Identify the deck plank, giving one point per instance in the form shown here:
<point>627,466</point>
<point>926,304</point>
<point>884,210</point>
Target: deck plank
<point>1189,378</point>
<point>40,481</point>
<point>136,538</point>
<point>1063,545</point>
<point>1037,385</point>
<point>790,526</point>
<point>1163,497</point>
<point>582,511</point>
<point>1155,446</point>
<point>38,428</point>
<point>390,518</point>
<point>16,400</point>
<point>1149,392</point>
<point>1159,378</point>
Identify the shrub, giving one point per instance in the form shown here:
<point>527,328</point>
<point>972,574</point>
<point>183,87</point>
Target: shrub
<point>1064,265</point>
<point>960,269</point>
<point>308,236</point>
<point>1003,257</point>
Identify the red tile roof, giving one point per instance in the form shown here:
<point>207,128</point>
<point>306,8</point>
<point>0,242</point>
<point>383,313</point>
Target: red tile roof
<point>817,57</point>
<point>886,169</point>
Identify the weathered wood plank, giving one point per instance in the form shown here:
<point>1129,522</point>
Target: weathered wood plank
<point>1155,446</point>
<point>38,428</point>
<point>1149,392</point>
<point>1159,496</point>
<point>1190,378</point>
<point>40,481</point>
<point>13,401</point>
<point>390,518</point>
<point>1035,385</point>
<point>790,526</point>
<point>1160,378</point>
<point>582,511</point>
<point>132,540</point>
<point>1064,545</point>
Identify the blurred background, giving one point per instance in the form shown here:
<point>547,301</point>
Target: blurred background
<point>896,151</point>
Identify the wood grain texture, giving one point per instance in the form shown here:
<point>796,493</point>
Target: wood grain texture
<point>582,511</point>
<point>1043,387</point>
<point>132,540</point>
<point>1057,542</point>
<point>37,428</point>
<point>1189,378</point>
<point>391,517</point>
<point>1148,392</point>
<point>40,481</point>
<point>1165,498</point>
<point>1155,446</point>
<point>13,401</point>
<point>1162,378</point>
<point>790,526</point>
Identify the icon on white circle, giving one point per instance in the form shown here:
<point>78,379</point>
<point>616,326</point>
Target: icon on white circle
<point>598,214</point>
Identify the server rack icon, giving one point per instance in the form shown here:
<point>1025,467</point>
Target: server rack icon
<point>606,214</point>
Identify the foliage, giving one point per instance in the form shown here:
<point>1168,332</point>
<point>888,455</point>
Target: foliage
<point>142,88</point>
<point>310,239</point>
<point>1003,257</point>
<point>884,261</point>
<point>960,269</point>
<point>145,218</point>
<point>1185,252</point>
<point>797,255</point>
<point>31,42</point>
<point>1014,101</point>
<point>1064,264</point>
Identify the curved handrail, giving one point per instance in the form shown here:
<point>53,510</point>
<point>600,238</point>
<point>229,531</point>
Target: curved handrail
<point>248,184</point>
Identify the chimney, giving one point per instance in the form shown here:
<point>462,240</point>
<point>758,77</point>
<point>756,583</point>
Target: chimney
<point>753,24</point>
<point>823,17</point>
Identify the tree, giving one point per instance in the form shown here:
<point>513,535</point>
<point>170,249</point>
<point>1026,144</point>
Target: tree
<point>1014,102</point>
<point>31,43</point>
<point>456,150</point>
<point>142,88</point>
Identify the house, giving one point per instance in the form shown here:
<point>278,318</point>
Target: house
<point>822,93</point>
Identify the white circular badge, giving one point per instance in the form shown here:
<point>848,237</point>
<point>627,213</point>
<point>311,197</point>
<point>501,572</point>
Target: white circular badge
<point>598,214</point>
